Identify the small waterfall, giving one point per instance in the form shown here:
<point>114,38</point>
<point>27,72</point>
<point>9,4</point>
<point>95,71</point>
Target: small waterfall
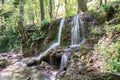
<point>54,45</point>
<point>64,59</point>
<point>77,27</point>
<point>75,31</point>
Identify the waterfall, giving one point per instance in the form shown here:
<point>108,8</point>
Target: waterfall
<point>64,59</point>
<point>54,45</point>
<point>75,31</point>
<point>77,27</point>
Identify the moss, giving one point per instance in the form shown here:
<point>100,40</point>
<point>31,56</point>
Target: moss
<point>84,51</point>
<point>66,37</point>
<point>75,57</point>
<point>66,77</point>
<point>3,63</point>
<point>81,47</point>
<point>42,64</point>
<point>83,58</point>
<point>53,53</point>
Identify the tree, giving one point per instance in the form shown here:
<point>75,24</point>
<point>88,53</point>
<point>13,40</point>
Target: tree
<point>26,43</point>
<point>50,9</point>
<point>101,2</point>
<point>42,10</point>
<point>21,19</point>
<point>2,1</point>
<point>105,1</point>
<point>82,6</point>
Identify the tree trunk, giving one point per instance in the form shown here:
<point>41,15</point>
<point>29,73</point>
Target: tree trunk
<point>26,49</point>
<point>2,1</point>
<point>42,10</point>
<point>21,20</point>
<point>82,6</point>
<point>50,9</point>
<point>105,1</point>
<point>101,2</point>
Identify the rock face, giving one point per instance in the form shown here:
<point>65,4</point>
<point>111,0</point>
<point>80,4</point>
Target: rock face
<point>66,32</point>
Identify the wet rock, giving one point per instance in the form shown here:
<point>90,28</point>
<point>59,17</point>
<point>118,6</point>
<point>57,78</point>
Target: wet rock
<point>45,66</point>
<point>11,57</point>
<point>32,62</point>
<point>60,74</point>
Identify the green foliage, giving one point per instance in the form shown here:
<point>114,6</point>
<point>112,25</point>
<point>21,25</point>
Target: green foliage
<point>115,61</point>
<point>9,40</point>
<point>36,36</point>
<point>75,57</point>
<point>115,65</point>
<point>109,48</point>
<point>82,49</point>
<point>9,35</point>
<point>110,29</point>
<point>3,44</point>
<point>44,23</point>
<point>71,8</point>
<point>117,15</point>
<point>99,14</point>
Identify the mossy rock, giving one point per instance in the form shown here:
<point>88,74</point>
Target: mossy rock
<point>3,63</point>
<point>53,29</point>
<point>51,34</point>
<point>66,77</point>
<point>53,53</point>
<point>66,35</point>
<point>82,46</point>
<point>82,49</point>
<point>75,57</point>
<point>32,62</point>
<point>43,64</point>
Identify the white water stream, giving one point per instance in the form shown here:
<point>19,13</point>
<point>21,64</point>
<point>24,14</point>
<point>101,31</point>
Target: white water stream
<point>54,45</point>
<point>77,28</point>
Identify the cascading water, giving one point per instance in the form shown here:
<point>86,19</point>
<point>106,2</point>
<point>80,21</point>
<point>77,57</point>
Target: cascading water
<point>64,59</point>
<point>75,31</point>
<point>54,45</point>
<point>77,26</point>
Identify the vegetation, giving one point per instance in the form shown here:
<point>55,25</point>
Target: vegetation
<point>30,26</point>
